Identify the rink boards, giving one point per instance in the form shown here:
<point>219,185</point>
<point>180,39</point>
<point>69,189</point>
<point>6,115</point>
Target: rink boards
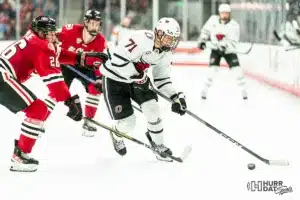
<point>265,63</point>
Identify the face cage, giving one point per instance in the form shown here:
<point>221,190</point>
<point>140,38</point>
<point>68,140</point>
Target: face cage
<point>173,45</point>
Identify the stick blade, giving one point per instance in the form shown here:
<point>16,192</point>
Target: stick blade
<point>279,162</point>
<point>186,152</point>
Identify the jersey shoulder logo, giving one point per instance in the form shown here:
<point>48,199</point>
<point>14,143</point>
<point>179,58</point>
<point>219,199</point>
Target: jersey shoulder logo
<point>149,35</point>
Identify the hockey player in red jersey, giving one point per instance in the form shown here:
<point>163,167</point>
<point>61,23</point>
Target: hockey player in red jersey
<point>36,52</point>
<point>77,38</point>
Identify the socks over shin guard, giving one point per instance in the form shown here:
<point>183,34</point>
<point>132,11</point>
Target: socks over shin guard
<point>210,76</point>
<point>155,130</point>
<point>51,103</point>
<point>91,105</point>
<point>238,75</point>
<point>31,129</point>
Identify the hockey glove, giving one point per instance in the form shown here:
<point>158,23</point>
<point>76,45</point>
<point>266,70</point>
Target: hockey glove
<point>202,45</point>
<point>222,46</point>
<point>91,60</point>
<point>98,84</point>
<point>75,110</point>
<point>179,104</point>
<point>143,84</point>
<point>140,67</point>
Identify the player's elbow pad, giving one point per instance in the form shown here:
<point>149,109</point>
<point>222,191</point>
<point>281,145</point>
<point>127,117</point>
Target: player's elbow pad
<point>59,91</point>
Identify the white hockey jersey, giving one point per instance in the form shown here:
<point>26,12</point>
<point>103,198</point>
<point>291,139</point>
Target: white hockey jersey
<point>138,47</point>
<point>213,28</point>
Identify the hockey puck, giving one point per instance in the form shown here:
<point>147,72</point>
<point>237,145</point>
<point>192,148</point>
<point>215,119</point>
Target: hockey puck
<point>251,166</point>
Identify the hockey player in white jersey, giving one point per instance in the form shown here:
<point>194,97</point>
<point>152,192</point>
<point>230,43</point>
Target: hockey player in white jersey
<point>223,33</point>
<point>125,79</point>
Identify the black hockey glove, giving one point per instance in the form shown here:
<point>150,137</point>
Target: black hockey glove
<point>143,84</point>
<point>202,45</point>
<point>179,104</point>
<point>98,84</point>
<point>91,60</point>
<point>75,110</point>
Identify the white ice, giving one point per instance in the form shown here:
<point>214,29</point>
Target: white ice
<point>75,167</point>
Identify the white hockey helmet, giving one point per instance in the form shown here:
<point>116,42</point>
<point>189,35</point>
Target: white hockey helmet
<point>224,8</point>
<point>167,31</point>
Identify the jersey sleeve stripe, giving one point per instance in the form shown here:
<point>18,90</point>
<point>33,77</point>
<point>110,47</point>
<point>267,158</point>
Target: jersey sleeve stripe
<point>7,66</point>
<point>53,79</point>
<point>51,76</point>
<point>121,57</point>
<point>162,85</point>
<point>114,73</point>
<point>28,99</point>
<point>161,79</point>
<point>117,65</point>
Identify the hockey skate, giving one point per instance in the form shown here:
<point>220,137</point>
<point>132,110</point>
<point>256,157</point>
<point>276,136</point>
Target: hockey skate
<point>21,162</point>
<point>203,95</point>
<point>89,129</point>
<point>119,144</point>
<point>160,148</point>
<point>245,95</point>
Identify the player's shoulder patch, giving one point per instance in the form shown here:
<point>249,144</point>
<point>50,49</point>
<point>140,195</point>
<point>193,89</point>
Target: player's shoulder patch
<point>149,35</point>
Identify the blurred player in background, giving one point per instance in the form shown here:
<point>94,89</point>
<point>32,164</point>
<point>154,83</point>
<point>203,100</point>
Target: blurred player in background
<point>290,32</point>
<point>121,30</point>
<point>78,38</point>
<point>125,79</point>
<point>224,33</point>
<point>36,52</point>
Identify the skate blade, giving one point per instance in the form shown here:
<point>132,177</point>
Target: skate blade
<point>121,152</point>
<point>164,159</point>
<point>88,133</point>
<point>18,167</point>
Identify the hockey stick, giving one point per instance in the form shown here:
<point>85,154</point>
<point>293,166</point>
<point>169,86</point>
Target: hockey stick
<point>185,153</point>
<point>80,74</point>
<point>276,35</point>
<point>269,162</point>
<point>180,159</point>
<point>91,80</point>
<point>214,47</point>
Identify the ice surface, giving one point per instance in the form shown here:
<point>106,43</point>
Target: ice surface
<point>75,167</point>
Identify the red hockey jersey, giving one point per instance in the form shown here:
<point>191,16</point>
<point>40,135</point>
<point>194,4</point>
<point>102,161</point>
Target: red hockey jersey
<point>32,54</point>
<point>71,38</point>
